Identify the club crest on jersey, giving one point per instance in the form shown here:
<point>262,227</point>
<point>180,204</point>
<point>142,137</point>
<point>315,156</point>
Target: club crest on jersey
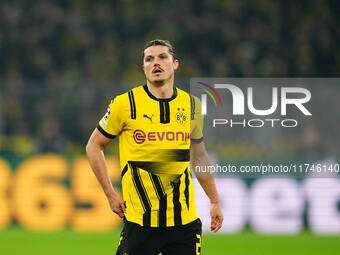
<point>181,116</point>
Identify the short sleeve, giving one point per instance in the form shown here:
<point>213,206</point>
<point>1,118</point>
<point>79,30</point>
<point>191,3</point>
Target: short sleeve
<point>114,120</point>
<point>197,120</point>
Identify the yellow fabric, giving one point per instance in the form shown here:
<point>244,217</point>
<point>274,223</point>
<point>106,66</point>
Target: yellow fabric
<point>154,157</point>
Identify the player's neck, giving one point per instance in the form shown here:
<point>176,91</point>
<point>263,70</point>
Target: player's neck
<point>161,91</point>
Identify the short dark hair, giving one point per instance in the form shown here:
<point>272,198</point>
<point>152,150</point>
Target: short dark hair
<point>160,42</point>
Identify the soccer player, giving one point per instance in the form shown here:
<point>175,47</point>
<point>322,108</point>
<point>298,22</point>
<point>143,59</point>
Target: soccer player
<point>160,131</point>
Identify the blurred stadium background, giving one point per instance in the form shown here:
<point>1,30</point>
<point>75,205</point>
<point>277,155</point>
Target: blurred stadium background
<point>61,62</point>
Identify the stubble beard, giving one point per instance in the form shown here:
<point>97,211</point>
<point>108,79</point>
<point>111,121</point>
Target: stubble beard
<point>160,83</point>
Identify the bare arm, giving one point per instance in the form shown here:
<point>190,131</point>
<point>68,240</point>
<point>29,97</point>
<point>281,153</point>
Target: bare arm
<point>199,158</point>
<point>95,155</point>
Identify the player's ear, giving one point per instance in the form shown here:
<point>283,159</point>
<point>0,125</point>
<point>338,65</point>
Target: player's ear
<point>176,64</point>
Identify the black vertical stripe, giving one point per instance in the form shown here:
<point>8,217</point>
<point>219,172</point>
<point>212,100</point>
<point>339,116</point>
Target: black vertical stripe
<point>186,190</point>
<point>164,110</point>
<point>131,108</point>
<point>177,203</point>
<point>132,105</point>
<point>162,199</point>
<point>161,112</point>
<point>192,105</point>
<point>167,112</point>
<point>143,197</point>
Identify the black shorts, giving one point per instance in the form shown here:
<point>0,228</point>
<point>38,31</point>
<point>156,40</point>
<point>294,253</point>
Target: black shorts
<point>180,240</point>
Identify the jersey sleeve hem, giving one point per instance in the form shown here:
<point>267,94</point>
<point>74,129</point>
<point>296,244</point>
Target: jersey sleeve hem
<point>196,140</point>
<point>106,134</point>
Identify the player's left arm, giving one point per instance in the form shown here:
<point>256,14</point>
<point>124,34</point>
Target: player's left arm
<point>199,158</point>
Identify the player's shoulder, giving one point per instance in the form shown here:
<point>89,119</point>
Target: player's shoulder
<point>134,93</point>
<point>193,99</point>
<point>137,90</point>
<point>118,99</point>
<point>125,97</point>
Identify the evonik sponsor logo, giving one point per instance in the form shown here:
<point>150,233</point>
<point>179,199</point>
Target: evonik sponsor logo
<point>140,136</point>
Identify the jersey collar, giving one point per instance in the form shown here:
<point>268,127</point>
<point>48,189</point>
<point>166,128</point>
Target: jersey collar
<point>174,95</point>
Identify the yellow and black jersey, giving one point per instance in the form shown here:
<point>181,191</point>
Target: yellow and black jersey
<point>154,146</point>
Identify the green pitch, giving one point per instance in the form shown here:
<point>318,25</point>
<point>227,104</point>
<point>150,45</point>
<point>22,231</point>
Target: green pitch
<point>16,241</point>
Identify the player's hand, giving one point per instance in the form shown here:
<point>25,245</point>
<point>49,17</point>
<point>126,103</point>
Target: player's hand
<point>216,217</point>
<point>117,204</point>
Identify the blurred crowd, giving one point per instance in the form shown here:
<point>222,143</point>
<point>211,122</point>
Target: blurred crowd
<point>62,60</point>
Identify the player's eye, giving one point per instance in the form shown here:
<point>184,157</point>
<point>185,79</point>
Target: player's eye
<point>148,59</point>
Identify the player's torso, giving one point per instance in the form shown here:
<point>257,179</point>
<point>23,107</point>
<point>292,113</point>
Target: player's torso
<point>157,131</point>
<point>154,153</point>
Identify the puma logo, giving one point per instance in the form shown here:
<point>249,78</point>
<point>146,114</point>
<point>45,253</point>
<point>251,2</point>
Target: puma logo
<point>146,116</point>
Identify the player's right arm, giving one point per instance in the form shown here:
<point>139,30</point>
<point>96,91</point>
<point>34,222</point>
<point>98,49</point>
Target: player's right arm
<point>108,128</point>
<point>95,154</point>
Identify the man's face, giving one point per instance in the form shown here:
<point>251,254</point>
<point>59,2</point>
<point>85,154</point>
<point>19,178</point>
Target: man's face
<point>158,64</point>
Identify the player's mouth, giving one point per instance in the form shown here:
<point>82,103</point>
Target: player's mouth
<point>157,70</point>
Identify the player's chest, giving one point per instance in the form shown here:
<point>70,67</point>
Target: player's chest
<point>161,114</point>
<point>160,122</point>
